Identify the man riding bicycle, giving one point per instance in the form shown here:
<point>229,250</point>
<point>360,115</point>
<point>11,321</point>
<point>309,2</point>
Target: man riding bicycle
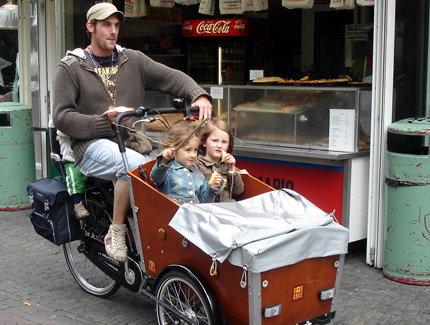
<point>89,81</point>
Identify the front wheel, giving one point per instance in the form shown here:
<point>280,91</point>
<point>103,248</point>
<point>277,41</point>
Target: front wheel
<point>89,276</point>
<point>188,297</point>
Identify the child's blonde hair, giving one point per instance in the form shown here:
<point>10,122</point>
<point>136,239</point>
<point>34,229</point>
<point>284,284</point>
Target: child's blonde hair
<point>214,124</point>
<point>176,133</point>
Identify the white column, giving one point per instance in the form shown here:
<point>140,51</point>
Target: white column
<point>382,108</point>
<point>24,50</point>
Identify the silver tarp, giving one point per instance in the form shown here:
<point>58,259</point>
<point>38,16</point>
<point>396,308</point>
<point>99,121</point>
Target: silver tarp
<point>264,232</point>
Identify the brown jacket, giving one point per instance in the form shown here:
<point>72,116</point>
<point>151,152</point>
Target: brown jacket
<point>207,168</point>
<point>81,98</point>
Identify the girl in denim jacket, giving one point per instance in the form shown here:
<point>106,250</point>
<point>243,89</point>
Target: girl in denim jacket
<point>172,173</point>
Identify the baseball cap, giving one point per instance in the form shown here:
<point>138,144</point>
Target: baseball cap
<point>102,11</point>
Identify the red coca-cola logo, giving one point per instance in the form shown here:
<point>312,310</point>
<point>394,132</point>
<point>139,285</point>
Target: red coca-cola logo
<point>187,28</point>
<point>240,26</point>
<point>215,27</point>
<point>218,27</point>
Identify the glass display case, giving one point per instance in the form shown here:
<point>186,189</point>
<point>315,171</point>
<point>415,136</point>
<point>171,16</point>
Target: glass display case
<point>323,118</point>
<point>330,119</point>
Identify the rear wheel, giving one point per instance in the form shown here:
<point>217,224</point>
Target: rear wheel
<point>188,297</point>
<point>88,275</point>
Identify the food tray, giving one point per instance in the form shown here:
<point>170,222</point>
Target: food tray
<point>272,109</point>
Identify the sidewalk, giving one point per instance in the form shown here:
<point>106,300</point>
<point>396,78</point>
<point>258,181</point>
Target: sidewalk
<point>36,287</point>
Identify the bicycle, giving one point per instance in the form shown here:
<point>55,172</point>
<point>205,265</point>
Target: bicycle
<point>186,284</point>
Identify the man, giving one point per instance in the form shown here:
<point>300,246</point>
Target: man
<point>89,81</point>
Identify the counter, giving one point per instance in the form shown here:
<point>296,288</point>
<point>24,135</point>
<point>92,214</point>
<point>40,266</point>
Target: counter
<point>311,139</point>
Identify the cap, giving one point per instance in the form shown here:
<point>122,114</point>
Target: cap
<point>102,11</point>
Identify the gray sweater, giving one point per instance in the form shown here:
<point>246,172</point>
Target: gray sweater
<point>81,98</point>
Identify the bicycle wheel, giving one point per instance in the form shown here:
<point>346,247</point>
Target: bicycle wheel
<point>87,274</point>
<point>188,297</point>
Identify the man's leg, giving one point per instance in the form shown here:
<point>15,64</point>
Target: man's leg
<point>121,202</point>
<point>115,244</point>
<point>102,159</point>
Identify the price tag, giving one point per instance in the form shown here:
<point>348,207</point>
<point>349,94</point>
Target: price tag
<point>254,74</point>
<point>217,92</point>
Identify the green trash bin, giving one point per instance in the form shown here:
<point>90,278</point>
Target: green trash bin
<point>17,167</point>
<point>407,224</point>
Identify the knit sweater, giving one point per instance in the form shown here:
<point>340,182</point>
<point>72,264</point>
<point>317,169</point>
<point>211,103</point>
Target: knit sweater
<point>80,97</point>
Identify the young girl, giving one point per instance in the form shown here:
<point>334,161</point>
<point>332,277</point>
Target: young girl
<point>172,173</point>
<point>216,142</point>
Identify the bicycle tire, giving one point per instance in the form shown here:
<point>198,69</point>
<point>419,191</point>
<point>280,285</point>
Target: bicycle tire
<point>188,297</point>
<point>90,277</point>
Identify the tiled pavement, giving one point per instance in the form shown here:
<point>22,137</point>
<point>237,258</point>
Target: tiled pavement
<point>36,287</point>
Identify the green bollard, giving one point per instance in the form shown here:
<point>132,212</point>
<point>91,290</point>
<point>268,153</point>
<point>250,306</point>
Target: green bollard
<point>17,164</point>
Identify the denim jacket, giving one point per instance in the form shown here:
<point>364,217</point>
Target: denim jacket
<point>182,184</point>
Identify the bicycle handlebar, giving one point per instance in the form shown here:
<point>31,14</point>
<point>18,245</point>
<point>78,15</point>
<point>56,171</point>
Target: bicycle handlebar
<point>178,107</point>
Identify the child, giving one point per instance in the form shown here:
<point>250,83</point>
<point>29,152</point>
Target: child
<point>75,180</point>
<point>216,143</point>
<point>172,172</point>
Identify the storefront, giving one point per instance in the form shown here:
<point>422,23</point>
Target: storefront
<point>287,43</point>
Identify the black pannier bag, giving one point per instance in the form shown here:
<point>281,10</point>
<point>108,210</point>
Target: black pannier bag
<point>51,213</point>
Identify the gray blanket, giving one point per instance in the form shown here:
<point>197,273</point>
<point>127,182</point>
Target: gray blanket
<point>264,232</point>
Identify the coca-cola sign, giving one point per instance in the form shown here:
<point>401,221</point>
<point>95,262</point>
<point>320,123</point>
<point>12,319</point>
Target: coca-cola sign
<point>215,27</point>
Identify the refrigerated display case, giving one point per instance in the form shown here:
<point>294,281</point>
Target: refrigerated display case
<point>321,118</point>
<point>216,50</point>
<point>314,140</point>
<point>221,63</point>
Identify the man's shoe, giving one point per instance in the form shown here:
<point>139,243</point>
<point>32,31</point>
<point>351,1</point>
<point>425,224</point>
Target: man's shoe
<point>80,211</point>
<point>115,245</point>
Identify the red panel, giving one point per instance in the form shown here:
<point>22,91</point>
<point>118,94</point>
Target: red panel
<point>322,185</point>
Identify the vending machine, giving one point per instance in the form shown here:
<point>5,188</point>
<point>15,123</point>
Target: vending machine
<point>216,50</point>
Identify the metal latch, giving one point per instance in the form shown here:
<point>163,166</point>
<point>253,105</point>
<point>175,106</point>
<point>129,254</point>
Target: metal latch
<point>327,294</point>
<point>272,311</point>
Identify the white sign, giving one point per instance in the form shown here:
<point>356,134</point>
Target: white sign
<point>342,130</point>
<point>217,92</point>
<point>254,74</point>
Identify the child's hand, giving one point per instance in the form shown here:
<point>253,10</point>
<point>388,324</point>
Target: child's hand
<point>217,181</point>
<point>230,161</point>
<point>167,154</point>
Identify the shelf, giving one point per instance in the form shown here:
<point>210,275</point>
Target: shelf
<point>165,55</point>
<point>201,61</point>
<point>152,22</point>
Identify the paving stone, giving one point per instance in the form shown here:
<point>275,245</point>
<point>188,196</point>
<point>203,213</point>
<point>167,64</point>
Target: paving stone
<point>34,271</point>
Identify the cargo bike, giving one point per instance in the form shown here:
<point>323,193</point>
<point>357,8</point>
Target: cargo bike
<point>247,262</point>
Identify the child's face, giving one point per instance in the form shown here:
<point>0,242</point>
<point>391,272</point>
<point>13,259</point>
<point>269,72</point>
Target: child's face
<point>216,143</point>
<point>187,154</point>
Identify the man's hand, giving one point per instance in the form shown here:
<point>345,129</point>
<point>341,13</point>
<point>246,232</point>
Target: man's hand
<point>205,107</point>
<point>112,116</point>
